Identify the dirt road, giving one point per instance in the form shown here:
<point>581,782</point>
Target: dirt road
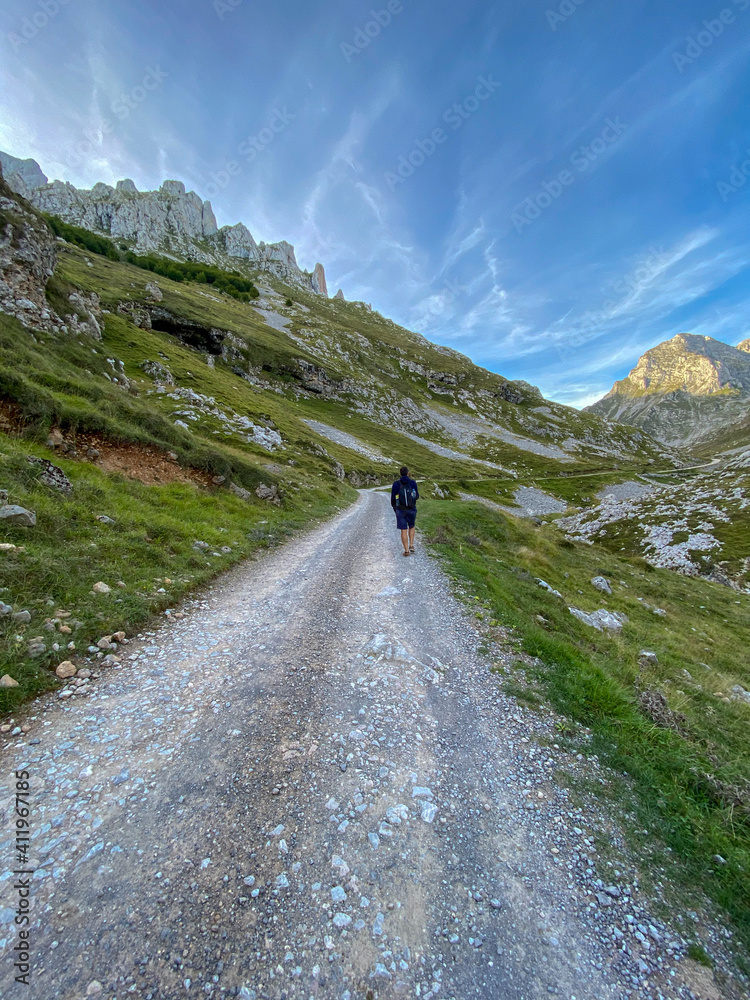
<point>312,786</point>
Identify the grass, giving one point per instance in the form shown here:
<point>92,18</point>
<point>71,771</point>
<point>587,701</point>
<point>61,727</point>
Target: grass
<point>690,771</point>
<point>149,548</point>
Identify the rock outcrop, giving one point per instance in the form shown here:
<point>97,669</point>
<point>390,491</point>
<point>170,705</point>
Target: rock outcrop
<point>26,173</point>
<point>28,256</point>
<point>319,280</point>
<point>169,220</point>
<point>688,391</point>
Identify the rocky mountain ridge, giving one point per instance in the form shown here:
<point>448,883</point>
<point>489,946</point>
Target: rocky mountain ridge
<point>395,385</point>
<point>688,392</point>
<point>171,220</point>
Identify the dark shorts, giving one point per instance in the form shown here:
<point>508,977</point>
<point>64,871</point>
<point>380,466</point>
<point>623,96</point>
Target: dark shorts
<point>405,519</point>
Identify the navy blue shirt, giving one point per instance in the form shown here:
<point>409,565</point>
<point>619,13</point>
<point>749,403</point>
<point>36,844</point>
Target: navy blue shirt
<point>403,481</point>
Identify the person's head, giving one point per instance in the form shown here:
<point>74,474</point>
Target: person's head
<point>404,470</point>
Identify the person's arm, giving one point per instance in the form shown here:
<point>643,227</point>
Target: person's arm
<point>393,495</point>
<point>416,488</point>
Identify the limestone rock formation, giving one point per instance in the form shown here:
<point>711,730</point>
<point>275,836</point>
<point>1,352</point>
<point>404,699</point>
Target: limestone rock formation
<point>170,219</point>
<point>340,295</point>
<point>26,173</point>
<point>319,280</point>
<point>28,256</point>
<point>688,391</point>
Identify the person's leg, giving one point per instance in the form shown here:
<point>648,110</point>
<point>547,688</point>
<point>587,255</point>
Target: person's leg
<point>411,539</point>
<point>405,539</point>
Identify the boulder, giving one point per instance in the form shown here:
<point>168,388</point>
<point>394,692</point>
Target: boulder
<point>601,584</point>
<point>65,670</point>
<point>646,658</point>
<point>269,493</point>
<point>6,681</point>
<point>611,621</point>
<point>22,617</point>
<point>52,476</point>
<point>12,514</point>
<point>100,588</point>
<point>240,492</point>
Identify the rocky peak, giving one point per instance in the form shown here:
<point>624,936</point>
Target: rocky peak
<point>698,365</point>
<point>152,221</point>
<point>690,391</point>
<point>25,174</point>
<point>319,280</point>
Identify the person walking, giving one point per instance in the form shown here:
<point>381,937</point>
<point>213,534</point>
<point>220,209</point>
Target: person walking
<point>404,496</point>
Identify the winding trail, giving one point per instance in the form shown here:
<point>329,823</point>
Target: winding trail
<point>308,786</point>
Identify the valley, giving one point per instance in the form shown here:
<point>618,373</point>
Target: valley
<point>171,422</point>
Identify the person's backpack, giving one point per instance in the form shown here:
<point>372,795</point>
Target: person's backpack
<point>407,497</point>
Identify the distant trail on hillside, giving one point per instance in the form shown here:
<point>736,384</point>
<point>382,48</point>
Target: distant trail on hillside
<point>312,785</point>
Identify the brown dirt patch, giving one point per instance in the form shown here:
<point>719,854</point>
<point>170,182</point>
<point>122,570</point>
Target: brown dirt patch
<point>699,979</point>
<point>146,463</point>
<point>11,418</point>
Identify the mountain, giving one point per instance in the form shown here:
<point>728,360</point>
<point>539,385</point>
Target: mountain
<point>170,220</point>
<point>690,392</point>
<point>331,372</point>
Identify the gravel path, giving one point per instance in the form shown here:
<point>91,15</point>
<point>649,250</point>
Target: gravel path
<point>311,786</point>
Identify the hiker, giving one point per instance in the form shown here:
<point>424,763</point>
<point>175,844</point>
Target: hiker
<point>404,496</point>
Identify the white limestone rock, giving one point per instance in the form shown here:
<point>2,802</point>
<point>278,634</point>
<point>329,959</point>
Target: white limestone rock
<point>28,254</point>
<point>319,280</point>
<point>19,172</point>
<point>152,220</point>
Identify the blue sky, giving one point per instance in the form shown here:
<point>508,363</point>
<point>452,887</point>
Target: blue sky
<point>571,188</point>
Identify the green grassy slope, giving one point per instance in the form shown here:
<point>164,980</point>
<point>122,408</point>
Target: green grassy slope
<point>319,360</point>
<point>686,758</point>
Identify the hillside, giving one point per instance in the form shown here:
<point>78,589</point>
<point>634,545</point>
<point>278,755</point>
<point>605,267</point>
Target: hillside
<point>220,408</point>
<point>690,392</point>
<point>163,419</point>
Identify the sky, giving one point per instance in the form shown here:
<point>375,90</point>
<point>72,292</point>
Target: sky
<point>551,187</point>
